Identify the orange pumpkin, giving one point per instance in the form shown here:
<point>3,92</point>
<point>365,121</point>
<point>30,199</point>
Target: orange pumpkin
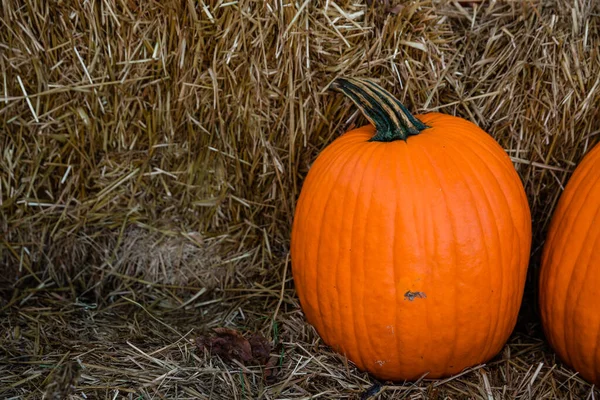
<point>411,241</point>
<point>570,272</point>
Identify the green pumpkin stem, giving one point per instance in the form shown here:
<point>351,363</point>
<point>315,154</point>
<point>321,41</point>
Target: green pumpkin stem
<point>391,119</point>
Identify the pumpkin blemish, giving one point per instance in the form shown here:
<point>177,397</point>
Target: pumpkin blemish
<point>410,296</point>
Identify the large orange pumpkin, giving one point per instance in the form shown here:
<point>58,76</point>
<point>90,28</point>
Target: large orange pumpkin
<point>411,241</point>
<point>570,272</point>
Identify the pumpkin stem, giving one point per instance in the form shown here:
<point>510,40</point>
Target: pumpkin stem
<point>391,119</point>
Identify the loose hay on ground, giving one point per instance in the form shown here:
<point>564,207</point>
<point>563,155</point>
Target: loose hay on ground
<point>58,349</point>
<point>151,154</point>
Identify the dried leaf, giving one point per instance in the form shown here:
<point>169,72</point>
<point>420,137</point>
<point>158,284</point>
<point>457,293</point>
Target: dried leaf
<point>261,347</point>
<point>229,344</point>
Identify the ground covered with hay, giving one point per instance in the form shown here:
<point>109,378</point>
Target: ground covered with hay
<point>151,154</point>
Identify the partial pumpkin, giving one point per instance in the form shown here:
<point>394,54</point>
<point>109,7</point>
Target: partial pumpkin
<point>411,241</point>
<point>570,272</point>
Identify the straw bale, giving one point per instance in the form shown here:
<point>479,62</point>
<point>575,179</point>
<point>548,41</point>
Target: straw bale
<point>178,117</point>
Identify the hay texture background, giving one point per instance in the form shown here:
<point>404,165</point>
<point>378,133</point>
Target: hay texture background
<point>151,154</point>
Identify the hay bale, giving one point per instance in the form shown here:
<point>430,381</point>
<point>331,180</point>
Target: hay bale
<point>206,119</point>
<point>174,117</point>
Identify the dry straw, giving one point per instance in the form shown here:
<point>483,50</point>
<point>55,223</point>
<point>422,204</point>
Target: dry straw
<point>151,154</point>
